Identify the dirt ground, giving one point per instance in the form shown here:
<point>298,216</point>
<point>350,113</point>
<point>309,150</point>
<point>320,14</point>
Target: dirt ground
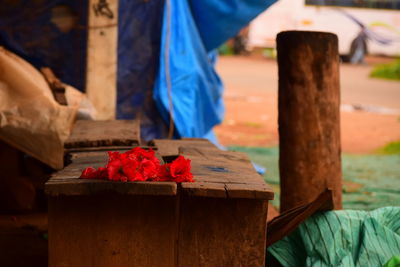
<point>251,105</point>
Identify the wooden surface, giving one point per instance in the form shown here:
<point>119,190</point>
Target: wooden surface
<point>112,230</point>
<point>217,173</point>
<point>168,147</point>
<point>309,117</point>
<point>67,182</point>
<point>222,232</point>
<point>104,133</point>
<point>224,174</point>
<point>101,72</point>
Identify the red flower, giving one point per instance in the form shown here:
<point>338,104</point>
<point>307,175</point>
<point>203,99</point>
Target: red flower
<point>178,171</point>
<point>138,164</point>
<point>89,173</point>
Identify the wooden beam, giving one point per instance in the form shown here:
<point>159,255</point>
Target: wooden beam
<point>309,117</point>
<point>101,73</point>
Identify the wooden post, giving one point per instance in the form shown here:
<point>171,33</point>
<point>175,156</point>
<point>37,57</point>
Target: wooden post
<point>101,81</point>
<point>309,117</point>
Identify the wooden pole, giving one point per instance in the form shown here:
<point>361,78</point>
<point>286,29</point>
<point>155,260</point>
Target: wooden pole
<point>309,117</point>
<point>101,74</point>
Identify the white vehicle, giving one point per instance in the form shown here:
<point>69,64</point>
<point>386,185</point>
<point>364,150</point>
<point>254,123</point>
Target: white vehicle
<point>362,26</point>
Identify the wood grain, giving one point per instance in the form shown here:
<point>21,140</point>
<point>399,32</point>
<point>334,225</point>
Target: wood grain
<point>222,232</point>
<point>233,170</point>
<point>168,147</point>
<point>309,117</point>
<point>219,220</point>
<point>112,230</point>
<point>104,133</point>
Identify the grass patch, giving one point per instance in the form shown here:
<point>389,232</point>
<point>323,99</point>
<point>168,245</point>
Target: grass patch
<point>392,148</point>
<point>389,71</point>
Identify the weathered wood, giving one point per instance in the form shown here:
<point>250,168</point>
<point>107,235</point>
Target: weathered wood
<point>222,232</point>
<point>257,191</point>
<point>96,149</point>
<point>232,169</point>
<point>82,187</point>
<point>112,230</point>
<point>204,189</point>
<point>171,147</point>
<point>67,182</point>
<point>219,220</point>
<point>104,133</point>
<point>101,73</point>
<point>309,118</point>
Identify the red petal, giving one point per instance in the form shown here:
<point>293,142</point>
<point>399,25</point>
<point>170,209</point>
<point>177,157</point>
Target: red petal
<point>89,173</point>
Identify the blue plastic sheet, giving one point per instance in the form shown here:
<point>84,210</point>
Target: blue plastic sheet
<point>139,38</point>
<point>190,32</point>
<point>217,21</point>
<point>195,87</point>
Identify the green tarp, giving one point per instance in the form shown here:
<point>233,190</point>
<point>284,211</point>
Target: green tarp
<point>342,238</point>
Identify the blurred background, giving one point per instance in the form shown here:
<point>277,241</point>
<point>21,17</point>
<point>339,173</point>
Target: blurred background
<point>369,46</point>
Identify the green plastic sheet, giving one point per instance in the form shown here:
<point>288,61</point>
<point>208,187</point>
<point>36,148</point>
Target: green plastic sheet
<point>342,238</point>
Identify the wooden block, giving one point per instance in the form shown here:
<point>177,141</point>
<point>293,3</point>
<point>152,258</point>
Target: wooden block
<point>112,230</point>
<point>104,133</point>
<point>202,189</point>
<point>222,232</point>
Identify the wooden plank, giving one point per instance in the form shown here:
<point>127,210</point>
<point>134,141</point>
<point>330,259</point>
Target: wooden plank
<point>201,189</point>
<point>101,73</point>
<point>232,171</point>
<point>227,171</point>
<point>168,147</point>
<point>222,232</point>
<point>97,148</point>
<point>249,191</point>
<point>104,133</point>
<point>112,230</point>
<point>83,187</point>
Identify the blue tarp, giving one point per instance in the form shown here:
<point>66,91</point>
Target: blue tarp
<point>190,32</point>
<point>157,39</point>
